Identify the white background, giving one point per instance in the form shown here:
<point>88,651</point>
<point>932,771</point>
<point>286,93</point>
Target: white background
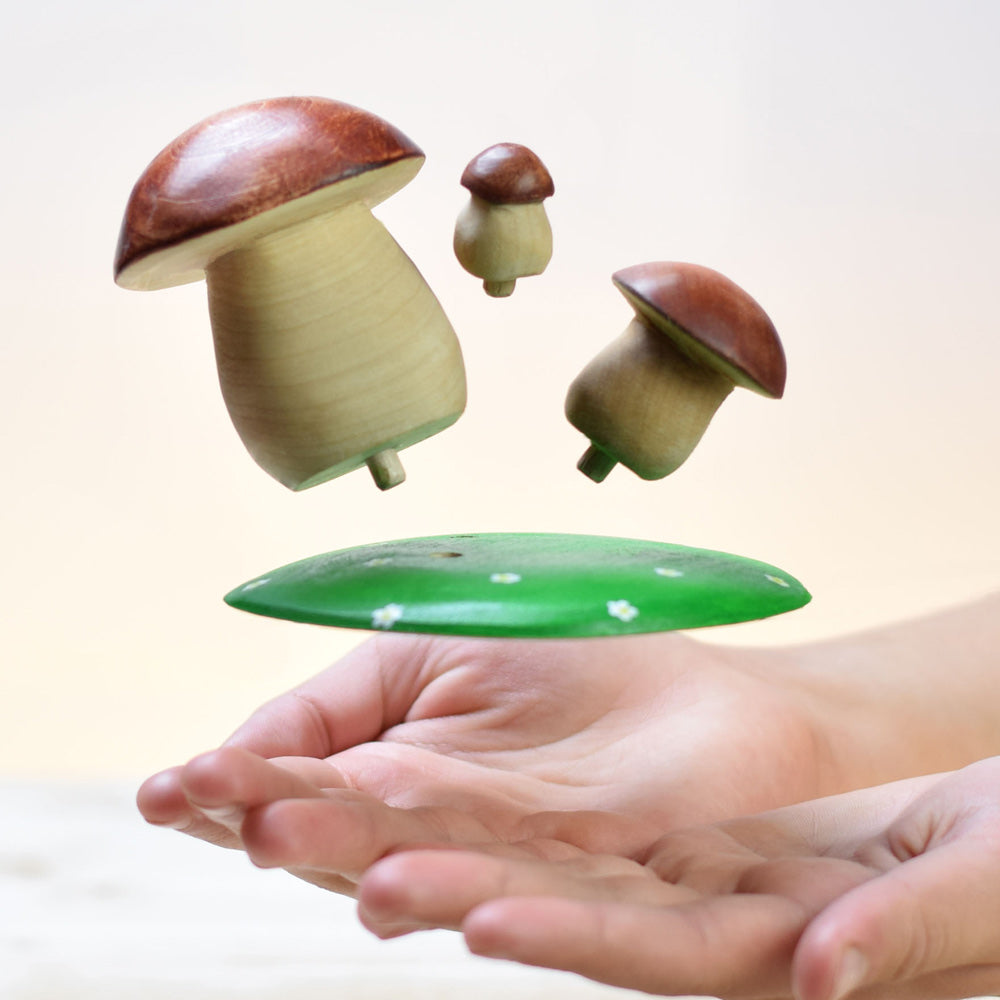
<point>840,161</point>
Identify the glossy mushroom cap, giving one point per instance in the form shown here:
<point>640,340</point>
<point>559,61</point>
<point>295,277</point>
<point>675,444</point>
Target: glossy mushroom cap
<point>709,318</point>
<point>281,156</point>
<point>508,174</point>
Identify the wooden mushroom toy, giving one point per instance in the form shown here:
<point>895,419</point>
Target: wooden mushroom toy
<point>647,398</point>
<point>503,233</point>
<point>333,353</point>
<point>522,585</point>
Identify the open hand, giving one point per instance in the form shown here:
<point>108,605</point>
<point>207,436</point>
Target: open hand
<point>427,740</point>
<point>894,891</point>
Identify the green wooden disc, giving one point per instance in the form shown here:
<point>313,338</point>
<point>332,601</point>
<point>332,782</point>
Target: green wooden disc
<point>522,585</point>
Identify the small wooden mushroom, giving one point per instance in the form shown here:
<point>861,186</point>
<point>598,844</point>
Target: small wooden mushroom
<point>647,398</point>
<point>503,233</point>
<point>332,351</point>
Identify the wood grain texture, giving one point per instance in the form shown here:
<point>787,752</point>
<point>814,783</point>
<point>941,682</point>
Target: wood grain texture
<point>501,243</point>
<point>247,160</point>
<point>643,403</point>
<point>332,350</point>
<point>508,174</point>
<point>711,318</point>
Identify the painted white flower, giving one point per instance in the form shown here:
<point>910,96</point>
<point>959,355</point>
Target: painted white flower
<point>254,584</point>
<point>505,578</point>
<point>778,580</point>
<point>622,610</point>
<point>388,616</point>
<point>668,571</point>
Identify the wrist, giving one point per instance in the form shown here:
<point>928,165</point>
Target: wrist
<point>896,702</point>
<point>858,728</point>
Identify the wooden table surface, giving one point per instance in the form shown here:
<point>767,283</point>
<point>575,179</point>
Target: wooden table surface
<point>95,904</point>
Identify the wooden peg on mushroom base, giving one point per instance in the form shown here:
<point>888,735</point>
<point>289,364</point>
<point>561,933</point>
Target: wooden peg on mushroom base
<point>333,353</point>
<point>503,233</point>
<point>647,398</point>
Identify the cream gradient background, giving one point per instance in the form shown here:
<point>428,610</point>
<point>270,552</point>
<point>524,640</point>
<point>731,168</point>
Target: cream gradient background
<point>840,161</point>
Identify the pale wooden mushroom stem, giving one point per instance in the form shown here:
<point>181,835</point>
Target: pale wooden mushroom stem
<point>499,289</point>
<point>643,401</point>
<point>319,330</point>
<point>501,243</point>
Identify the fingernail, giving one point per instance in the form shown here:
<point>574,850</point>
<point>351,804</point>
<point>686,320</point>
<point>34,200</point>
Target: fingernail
<point>850,975</point>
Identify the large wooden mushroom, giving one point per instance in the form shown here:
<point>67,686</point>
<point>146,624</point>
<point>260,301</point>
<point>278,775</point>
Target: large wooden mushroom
<point>646,399</point>
<point>333,353</point>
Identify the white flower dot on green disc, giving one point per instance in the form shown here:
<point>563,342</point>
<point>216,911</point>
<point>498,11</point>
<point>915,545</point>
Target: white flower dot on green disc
<point>622,610</point>
<point>388,616</point>
<point>777,579</point>
<point>669,571</point>
<point>505,578</point>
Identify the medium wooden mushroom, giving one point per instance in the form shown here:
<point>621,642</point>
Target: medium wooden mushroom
<point>503,233</point>
<point>333,353</point>
<point>647,398</point>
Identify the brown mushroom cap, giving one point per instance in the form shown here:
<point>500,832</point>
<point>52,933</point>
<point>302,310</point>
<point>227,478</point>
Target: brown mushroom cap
<point>711,319</point>
<point>508,174</point>
<point>243,162</point>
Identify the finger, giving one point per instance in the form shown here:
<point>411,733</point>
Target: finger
<point>351,702</point>
<point>935,912</point>
<point>162,802</point>
<point>593,831</point>
<point>331,881</point>
<point>422,889</point>
<point>223,784</point>
<point>346,832</point>
<point>732,946</point>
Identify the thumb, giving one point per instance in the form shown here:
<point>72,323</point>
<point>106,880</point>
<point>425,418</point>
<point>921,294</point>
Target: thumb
<point>935,912</point>
<point>351,702</point>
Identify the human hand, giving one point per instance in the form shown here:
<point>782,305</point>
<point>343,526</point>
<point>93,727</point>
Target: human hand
<point>893,892</point>
<point>464,741</point>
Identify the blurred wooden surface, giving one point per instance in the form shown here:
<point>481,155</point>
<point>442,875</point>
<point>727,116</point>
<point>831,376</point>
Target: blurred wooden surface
<point>94,904</point>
